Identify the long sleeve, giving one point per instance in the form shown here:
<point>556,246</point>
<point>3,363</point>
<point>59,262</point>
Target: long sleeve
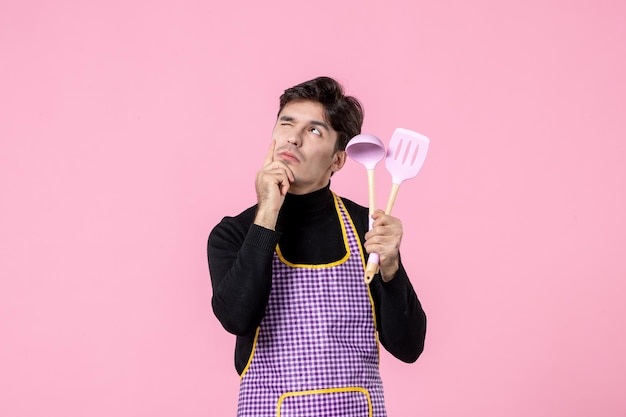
<point>240,264</point>
<point>401,319</point>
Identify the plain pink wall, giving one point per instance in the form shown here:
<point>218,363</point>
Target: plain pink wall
<point>129,128</point>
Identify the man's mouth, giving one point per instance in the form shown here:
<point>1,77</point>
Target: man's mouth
<point>288,156</point>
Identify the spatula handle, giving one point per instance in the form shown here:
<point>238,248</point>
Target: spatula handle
<point>392,197</point>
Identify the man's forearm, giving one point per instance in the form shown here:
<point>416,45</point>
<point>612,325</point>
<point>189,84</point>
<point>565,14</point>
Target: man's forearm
<point>402,322</point>
<point>241,276</point>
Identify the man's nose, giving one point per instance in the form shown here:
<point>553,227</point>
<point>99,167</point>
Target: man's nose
<point>295,138</point>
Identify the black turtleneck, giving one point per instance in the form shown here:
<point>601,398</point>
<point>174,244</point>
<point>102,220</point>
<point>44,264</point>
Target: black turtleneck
<point>308,231</point>
<point>300,221</point>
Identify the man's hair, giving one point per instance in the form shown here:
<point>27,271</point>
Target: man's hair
<point>343,113</point>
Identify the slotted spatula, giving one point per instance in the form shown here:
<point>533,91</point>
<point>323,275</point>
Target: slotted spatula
<point>405,156</point>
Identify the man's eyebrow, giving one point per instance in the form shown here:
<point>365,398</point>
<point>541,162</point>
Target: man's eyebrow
<point>313,122</point>
<point>322,124</point>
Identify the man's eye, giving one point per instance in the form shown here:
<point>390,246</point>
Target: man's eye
<point>316,131</point>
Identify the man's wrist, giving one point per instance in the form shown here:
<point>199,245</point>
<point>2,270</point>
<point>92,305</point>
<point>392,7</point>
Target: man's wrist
<point>266,218</point>
<point>387,273</point>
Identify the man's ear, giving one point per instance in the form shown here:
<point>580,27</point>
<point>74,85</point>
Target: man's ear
<point>339,159</point>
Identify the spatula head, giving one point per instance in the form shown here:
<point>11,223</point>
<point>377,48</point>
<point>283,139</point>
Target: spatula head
<point>406,154</point>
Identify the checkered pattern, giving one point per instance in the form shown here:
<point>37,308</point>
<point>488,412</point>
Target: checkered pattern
<point>317,334</point>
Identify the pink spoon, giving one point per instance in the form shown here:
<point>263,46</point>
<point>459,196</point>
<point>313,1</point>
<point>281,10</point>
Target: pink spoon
<point>368,150</point>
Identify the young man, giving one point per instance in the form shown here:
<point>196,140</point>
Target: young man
<point>287,273</point>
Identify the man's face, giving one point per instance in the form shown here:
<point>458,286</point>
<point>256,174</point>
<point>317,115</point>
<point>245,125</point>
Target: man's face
<point>306,143</point>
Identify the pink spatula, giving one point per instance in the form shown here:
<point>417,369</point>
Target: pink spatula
<point>405,157</point>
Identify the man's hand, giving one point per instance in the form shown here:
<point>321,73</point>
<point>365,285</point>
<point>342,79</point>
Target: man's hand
<point>384,238</point>
<point>272,183</point>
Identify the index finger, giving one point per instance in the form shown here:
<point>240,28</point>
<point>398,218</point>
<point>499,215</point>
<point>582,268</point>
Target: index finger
<point>269,157</point>
<point>383,219</point>
<point>377,214</point>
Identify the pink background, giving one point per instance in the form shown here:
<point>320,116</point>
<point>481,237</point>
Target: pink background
<point>129,128</point>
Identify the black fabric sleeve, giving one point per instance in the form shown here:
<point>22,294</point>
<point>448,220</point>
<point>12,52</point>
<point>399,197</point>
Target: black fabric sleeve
<point>240,264</point>
<point>400,317</point>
